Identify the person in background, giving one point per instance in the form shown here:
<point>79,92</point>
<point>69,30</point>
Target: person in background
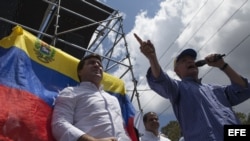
<point>201,109</point>
<point>86,112</point>
<point>152,125</point>
<point>181,138</point>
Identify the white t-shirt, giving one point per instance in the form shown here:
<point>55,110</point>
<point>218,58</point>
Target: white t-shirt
<point>181,139</point>
<point>149,136</point>
<point>85,109</point>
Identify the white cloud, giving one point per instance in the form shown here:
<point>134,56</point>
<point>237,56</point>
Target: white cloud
<point>207,26</point>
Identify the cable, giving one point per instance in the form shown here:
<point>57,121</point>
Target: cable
<point>203,23</point>
<point>229,52</point>
<point>223,25</point>
<point>198,11</point>
<point>189,39</point>
<point>212,37</point>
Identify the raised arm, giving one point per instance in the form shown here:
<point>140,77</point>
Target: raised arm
<point>148,49</point>
<point>231,73</point>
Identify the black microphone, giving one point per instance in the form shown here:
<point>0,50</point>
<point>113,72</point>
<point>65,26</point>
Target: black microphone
<point>201,63</point>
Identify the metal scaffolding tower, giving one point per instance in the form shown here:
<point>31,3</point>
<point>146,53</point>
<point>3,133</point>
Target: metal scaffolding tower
<point>77,27</point>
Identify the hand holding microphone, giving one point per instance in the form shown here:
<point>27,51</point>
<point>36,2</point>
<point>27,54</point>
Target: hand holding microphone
<point>201,63</point>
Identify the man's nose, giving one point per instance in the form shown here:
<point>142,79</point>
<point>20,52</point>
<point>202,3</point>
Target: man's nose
<point>97,64</point>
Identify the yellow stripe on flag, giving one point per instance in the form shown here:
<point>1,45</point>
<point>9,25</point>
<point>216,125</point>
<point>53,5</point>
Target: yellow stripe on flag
<point>113,84</point>
<point>54,58</point>
<point>41,52</point>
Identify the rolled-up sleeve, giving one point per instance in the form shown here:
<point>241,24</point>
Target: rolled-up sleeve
<point>236,94</point>
<point>163,85</point>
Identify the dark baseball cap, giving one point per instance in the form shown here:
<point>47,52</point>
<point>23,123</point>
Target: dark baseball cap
<point>186,52</point>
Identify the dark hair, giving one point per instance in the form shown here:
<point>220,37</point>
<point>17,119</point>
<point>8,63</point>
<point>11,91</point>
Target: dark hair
<point>82,62</point>
<point>145,117</point>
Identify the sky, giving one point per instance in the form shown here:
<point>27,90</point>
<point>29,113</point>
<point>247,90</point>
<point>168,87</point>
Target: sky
<point>207,26</point>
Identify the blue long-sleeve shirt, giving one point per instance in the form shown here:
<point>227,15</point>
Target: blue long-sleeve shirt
<point>201,109</point>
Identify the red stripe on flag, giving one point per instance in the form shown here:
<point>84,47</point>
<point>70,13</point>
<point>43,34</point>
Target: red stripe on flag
<point>131,130</point>
<point>24,116</point>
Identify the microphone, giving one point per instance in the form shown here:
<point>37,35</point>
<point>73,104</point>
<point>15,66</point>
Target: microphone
<point>201,63</point>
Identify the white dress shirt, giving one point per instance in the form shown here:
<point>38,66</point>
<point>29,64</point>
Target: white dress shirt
<point>181,139</point>
<point>149,136</point>
<point>85,109</point>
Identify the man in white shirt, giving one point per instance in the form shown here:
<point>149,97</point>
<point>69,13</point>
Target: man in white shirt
<point>181,138</point>
<point>86,112</point>
<point>152,125</point>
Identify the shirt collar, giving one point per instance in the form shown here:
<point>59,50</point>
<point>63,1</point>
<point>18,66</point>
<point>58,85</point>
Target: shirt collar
<point>151,134</point>
<point>192,79</point>
<point>90,84</point>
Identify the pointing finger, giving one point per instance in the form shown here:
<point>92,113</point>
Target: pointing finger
<point>138,38</point>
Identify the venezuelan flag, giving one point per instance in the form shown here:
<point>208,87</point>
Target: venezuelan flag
<point>31,74</point>
<point>116,87</point>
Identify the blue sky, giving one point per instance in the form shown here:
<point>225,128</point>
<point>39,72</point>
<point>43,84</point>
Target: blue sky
<point>132,8</point>
<point>208,26</point>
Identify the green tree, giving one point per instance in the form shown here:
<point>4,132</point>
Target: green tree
<point>244,119</point>
<point>248,119</point>
<point>241,116</point>
<point>172,130</point>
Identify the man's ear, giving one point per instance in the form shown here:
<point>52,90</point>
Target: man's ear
<point>79,74</point>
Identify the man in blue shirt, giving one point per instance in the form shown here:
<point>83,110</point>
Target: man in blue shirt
<point>201,109</point>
